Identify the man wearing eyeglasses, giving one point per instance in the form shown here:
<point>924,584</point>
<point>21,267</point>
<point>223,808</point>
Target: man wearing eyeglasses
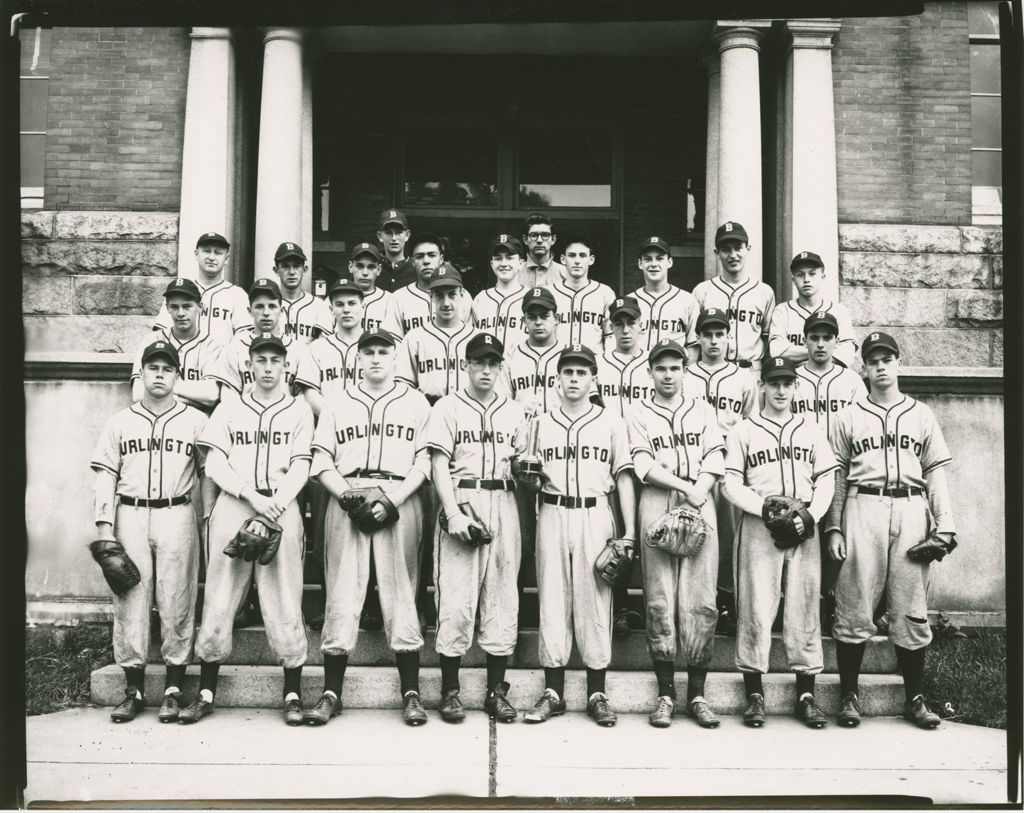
<point>541,269</point>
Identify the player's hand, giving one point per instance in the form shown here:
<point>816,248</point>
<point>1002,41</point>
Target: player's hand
<point>695,497</point>
<point>459,526</point>
<point>378,511</point>
<point>264,505</point>
<point>104,530</point>
<point>837,546</point>
<point>798,524</point>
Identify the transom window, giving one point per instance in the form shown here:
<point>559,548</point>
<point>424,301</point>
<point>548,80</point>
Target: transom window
<point>986,114</point>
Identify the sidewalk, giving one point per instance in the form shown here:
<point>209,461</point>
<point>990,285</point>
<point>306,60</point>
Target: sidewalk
<point>249,754</point>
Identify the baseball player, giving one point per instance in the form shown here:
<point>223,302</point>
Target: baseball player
<point>372,434</point>
<point>585,455</point>
<point>258,453</point>
<point>414,300</point>
<point>379,307</point>
<point>786,331</point>
<point>224,306</point>
<point>473,434</point>
<point>147,462</point>
<point>891,494</point>
<point>747,302</point>
<point>732,392</point>
<point>196,350</point>
<point>540,270</point>
<point>666,311</point>
<point>530,372</point>
<point>678,455</point>
<point>393,233</point>
<point>498,310</point>
<point>778,453</point>
<point>306,317</point>
<point>582,302</point>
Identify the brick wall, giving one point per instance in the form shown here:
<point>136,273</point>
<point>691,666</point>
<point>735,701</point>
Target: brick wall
<point>115,118</point>
<point>903,118</point>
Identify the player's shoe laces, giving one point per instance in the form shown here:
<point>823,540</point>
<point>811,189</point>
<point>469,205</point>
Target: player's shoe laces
<point>700,711</point>
<point>808,712</point>
<point>496,704</point>
<point>126,710</point>
<point>849,711</point>
<point>292,711</point>
<point>753,714</point>
<point>549,705</point>
<point>599,710</point>
<point>451,707</point>
<point>170,708</point>
<point>412,709</point>
<point>661,717</point>
<point>195,711</point>
<point>326,707</point>
<point>917,712</point>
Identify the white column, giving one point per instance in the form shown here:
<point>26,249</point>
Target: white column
<point>739,132</point>
<point>208,172</point>
<point>279,187</point>
<point>711,64</point>
<point>306,204</point>
<point>811,218</point>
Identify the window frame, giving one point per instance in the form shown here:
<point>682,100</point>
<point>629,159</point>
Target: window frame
<point>981,214</point>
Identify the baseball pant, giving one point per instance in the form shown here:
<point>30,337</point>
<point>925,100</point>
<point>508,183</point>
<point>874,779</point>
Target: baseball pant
<point>727,518</point>
<point>572,596</point>
<point>679,592</point>
<point>759,576</point>
<point>396,554</point>
<point>278,585</point>
<point>466,577</point>
<point>879,531</point>
<point>164,544</point>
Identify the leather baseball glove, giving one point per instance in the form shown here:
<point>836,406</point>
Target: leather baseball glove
<point>679,532</point>
<point>479,534</point>
<point>932,549</point>
<point>257,540</point>
<point>779,514</point>
<point>614,564</point>
<point>359,502</point>
<point>121,573</point>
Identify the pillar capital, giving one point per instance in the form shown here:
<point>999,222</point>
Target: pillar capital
<point>816,33</point>
<point>204,33</point>
<point>286,34</point>
<point>740,33</point>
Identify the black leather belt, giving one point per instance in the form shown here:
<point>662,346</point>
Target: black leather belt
<point>374,475</point>
<point>488,485</point>
<point>140,503</point>
<point>569,502</point>
<point>744,363</point>
<point>889,492</point>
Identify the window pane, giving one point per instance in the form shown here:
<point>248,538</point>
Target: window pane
<point>983,18</point>
<point>33,104</point>
<point>565,167</point>
<point>35,51</point>
<point>451,168</point>
<point>33,150</point>
<point>986,122</point>
<point>985,68</point>
<point>986,168</point>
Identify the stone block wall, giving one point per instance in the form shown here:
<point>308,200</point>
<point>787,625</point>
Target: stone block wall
<point>937,289</point>
<point>93,281</point>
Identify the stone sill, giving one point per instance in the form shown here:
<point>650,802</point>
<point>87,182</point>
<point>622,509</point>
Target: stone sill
<point>952,380</point>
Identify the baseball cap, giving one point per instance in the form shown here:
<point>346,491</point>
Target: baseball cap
<point>509,243</point>
<point>876,340</point>
<point>183,287</point>
<point>808,258</point>
<point>821,318</point>
<point>264,286</point>
<point>624,304</point>
<point>577,352</point>
<point>211,238</point>
<point>289,250</point>
<point>712,316</point>
<point>365,248</point>
<point>267,340</point>
<point>423,237</point>
<point>375,335</point>
<point>164,349</point>
<point>392,216</point>
<point>731,230</point>
<point>778,367</point>
<point>344,285</point>
<point>653,242</point>
<point>541,297</point>
<point>445,276</point>
<point>483,345</point>
<point>666,346</point>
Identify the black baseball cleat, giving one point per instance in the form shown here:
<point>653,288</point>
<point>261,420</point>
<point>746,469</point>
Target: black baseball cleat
<point>753,714</point>
<point>599,710</point>
<point>170,708</point>
<point>849,711</point>
<point>549,705</point>
<point>624,622</point>
<point>327,707</point>
<point>808,712</point>
<point>700,711</point>
<point>661,717</point>
<point>128,708</point>
<point>292,712</point>
<point>370,621</point>
<point>316,621</point>
<point>412,709</point>
<point>496,704</point>
<point>917,712</point>
<point>195,711</point>
<point>451,708</point>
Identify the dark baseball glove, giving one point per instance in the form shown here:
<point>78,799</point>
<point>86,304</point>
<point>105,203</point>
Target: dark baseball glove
<point>614,564</point>
<point>257,540</point>
<point>679,532</point>
<point>478,532</point>
<point>359,502</point>
<point>932,549</point>
<point>119,570</point>
<point>779,514</point>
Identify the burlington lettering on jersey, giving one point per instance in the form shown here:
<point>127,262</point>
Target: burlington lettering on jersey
<point>887,441</point>
<point>781,453</point>
<point>141,445</point>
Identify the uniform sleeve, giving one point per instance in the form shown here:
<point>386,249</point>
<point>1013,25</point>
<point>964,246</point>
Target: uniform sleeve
<point>325,318</point>
<point>639,443</point>
<point>778,340</point>
<point>422,460</point>
<point>698,294</point>
<point>713,460</point>
<point>399,329</point>
<point>107,456</point>
<point>735,452</point>
<point>522,433</point>
<point>749,395</point>
<point>839,438</point>
<point>302,436</point>
<point>466,308</point>
<point>440,432</point>
<point>137,360</point>
<point>621,459</point>
<point>216,434</point>
<point>824,458</point>
<point>692,339</point>
<point>769,313</point>
<point>199,453</point>
<point>847,347</point>
<point>209,356</point>
<point>307,373</point>
<point>474,312</point>
<point>225,369</point>
<point>241,319</point>
<point>934,452</point>
<point>391,321</point>
<point>324,444</point>
<point>163,319</point>
<point>405,369</point>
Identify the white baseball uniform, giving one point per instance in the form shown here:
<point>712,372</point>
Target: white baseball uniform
<point>749,306</point>
<point>530,376</point>
<point>582,315</point>
<point>196,355</point>
<point>623,380</point>
<point>329,366</point>
<point>433,359</point>
<point>307,318</point>
<point>224,310</point>
<point>825,396</point>
<point>232,365</point>
<point>786,332</point>
<point>501,315</point>
<point>415,309</point>
<point>671,314</point>
<point>380,310</point>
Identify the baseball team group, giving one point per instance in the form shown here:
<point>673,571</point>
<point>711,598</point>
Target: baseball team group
<point>707,441</point>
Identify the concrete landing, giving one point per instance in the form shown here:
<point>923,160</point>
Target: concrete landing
<point>249,754</point>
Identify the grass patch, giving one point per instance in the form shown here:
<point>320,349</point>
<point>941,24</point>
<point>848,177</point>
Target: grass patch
<point>965,677</point>
<point>58,662</point>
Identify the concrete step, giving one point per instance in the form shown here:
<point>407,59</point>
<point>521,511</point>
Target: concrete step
<point>251,647</point>
<point>377,687</point>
